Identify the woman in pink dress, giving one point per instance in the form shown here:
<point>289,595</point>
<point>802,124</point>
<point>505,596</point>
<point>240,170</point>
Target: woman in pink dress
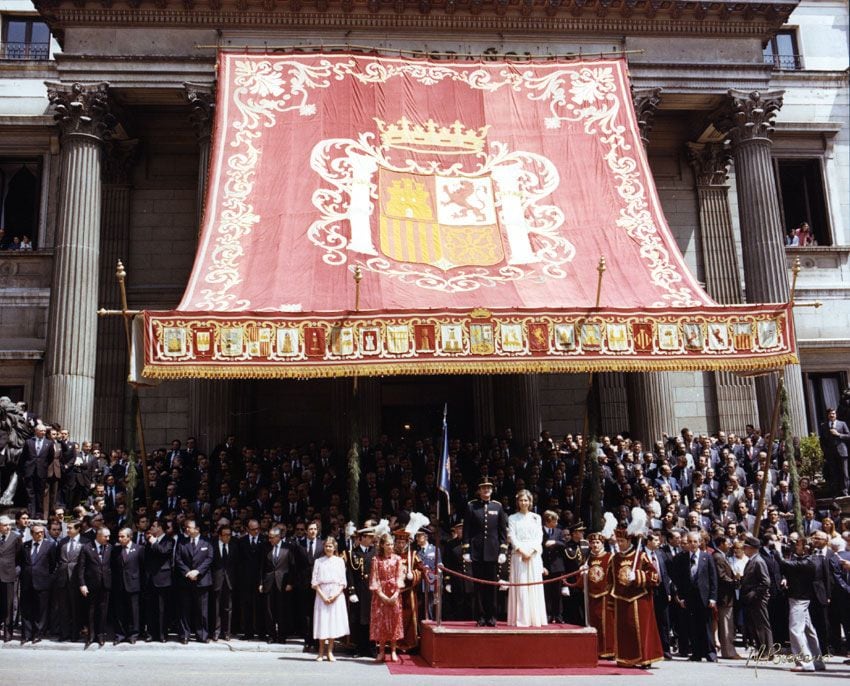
<point>385,582</point>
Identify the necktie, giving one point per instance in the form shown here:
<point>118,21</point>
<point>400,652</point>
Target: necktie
<point>100,551</point>
<point>194,544</point>
<point>311,548</point>
<point>125,553</point>
<point>276,551</point>
<point>224,552</point>
<point>654,561</point>
<point>35,550</point>
<point>694,566</point>
<point>2,539</point>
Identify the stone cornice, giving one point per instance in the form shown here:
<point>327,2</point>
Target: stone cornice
<point>623,17</point>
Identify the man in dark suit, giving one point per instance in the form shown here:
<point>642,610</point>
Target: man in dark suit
<point>225,570</point>
<point>662,593</point>
<point>251,550</point>
<point>39,563</point>
<point>64,580</point>
<point>194,561</point>
<point>159,556</point>
<point>311,547</point>
<point>821,588</point>
<point>834,437</point>
<point>128,563</point>
<point>276,582</point>
<point>11,550</point>
<point>94,579</point>
<point>755,591</point>
<point>79,475</point>
<point>695,589</point>
<point>33,467</point>
<point>726,584</point>
<point>554,564</point>
<point>485,545</point>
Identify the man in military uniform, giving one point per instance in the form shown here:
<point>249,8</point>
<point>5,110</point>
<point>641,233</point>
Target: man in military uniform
<point>358,568</point>
<point>485,546</point>
<point>457,592</point>
<point>576,552</point>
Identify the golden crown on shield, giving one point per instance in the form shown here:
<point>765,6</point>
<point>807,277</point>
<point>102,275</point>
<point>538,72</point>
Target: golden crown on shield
<point>431,137</point>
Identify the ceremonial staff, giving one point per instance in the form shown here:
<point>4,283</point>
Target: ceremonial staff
<point>586,430</point>
<point>127,315</point>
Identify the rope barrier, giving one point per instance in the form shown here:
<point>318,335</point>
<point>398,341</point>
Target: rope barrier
<point>488,582</point>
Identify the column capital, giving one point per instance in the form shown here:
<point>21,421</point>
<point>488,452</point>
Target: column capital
<point>748,116</point>
<point>201,97</point>
<point>118,160</point>
<point>82,110</point>
<point>646,101</point>
<point>710,162</point>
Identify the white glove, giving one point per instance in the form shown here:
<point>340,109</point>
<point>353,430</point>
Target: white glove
<point>467,557</point>
<point>353,598</point>
<point>565,591</point>
<point>409,576</point>
<point>502,558</point>
<point>448,588</point>
<point>503,588</point>
<point>549,544</point>
<point>631,577</point>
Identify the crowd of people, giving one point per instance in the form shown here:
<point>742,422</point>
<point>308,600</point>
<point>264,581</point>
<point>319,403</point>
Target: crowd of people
<point>251,543</point>
<point>14,242</point>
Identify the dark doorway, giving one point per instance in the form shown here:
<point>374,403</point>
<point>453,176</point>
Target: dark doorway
<point>413,406</point>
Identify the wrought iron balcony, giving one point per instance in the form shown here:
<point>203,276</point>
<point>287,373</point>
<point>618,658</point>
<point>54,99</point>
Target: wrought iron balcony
<point>784,62</point>
<point>26,51</point>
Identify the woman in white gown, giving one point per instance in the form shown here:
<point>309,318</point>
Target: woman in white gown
<point>526,604</point>
<point>330,615</point>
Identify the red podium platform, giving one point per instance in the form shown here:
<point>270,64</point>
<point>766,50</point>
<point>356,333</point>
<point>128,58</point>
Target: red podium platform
<point>463,644</point>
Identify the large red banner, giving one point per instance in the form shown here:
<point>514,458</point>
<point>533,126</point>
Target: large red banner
<point>451,189</point>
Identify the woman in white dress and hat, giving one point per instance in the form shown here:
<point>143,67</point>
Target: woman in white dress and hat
<point>526,604</point>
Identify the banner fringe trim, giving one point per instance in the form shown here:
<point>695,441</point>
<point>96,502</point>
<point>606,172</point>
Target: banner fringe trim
<point>323,371</point>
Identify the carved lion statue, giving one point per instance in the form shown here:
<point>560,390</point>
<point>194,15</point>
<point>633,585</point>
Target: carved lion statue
<point>14,432</point>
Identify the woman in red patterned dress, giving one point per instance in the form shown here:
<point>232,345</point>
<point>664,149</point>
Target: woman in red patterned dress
<point>386,582</point>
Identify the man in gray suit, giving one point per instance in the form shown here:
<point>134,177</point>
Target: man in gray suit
<point>69,600</point>
<point>834,436</point>
<point>11,547</point>
<point>755,592</point>
<point>277,576</point>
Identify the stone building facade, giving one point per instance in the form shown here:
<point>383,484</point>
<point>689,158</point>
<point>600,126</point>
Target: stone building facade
<point>744,112</point>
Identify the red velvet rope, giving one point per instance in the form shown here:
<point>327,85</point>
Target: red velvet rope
<point>488,582</point>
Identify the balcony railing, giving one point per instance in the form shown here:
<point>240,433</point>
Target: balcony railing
<point>26,51</point>
<point>784,62</point>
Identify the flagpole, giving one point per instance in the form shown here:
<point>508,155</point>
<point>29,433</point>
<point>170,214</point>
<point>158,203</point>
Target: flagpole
<point>442,466</point>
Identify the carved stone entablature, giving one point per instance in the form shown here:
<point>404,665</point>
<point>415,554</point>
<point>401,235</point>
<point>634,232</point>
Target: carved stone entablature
<point>629,17</point>
<point>646,105</point>
<point>710,162</point>
<point>118,160</point>
<point>748,116</point>
<point>81,110</point>
<point>201,97</point>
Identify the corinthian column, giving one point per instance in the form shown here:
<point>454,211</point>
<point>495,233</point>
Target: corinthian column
<point>650,394</point>
<point>82,114</point>
<point>201,99</point>
<point>748,122</point>
<point>735,395</point>
<point>111,369</point>
<point>212,402</point>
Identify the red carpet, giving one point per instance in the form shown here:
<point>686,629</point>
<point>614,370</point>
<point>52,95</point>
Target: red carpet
<point>415,665</point>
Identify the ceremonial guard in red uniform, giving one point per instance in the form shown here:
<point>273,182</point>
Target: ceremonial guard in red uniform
<point>636,639</point>
<point>600,604</point>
